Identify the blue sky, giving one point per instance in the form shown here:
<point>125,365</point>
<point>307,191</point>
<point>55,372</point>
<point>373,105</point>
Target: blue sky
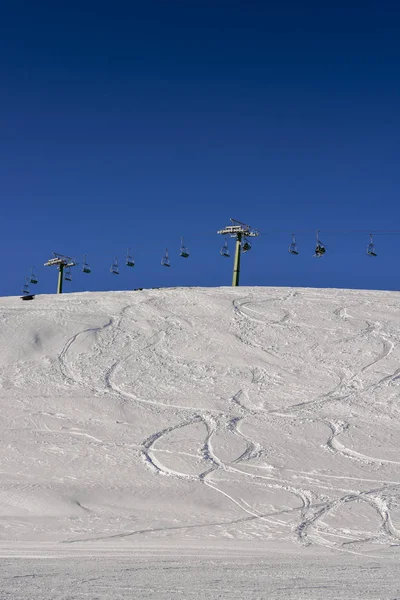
<point>136,123</point>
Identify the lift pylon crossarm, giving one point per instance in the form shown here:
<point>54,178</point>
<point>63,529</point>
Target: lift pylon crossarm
<point>238,227</point>
<point>59,259</point>
<point>52,262</point>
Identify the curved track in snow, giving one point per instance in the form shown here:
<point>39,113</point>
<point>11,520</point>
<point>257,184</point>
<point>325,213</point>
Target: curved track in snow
<point>276,408</point>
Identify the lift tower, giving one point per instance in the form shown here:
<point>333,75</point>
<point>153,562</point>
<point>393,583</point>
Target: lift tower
<point>241,232</point>
<point>61,261</point>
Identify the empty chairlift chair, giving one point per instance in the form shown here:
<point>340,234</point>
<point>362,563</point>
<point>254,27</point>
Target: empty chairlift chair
<point>85,266</point>
<point>371,247</point>
<point>129,260</point>
<point>165,259</point>
<point>25,288</point>
<point>293,249</point>
<point>26,294</point>
<point>68,275</point>
<point>33,278</point>
<point>225,250</point>
<point>184,251</point>
<point>319,248</point>
<point>114,267</point>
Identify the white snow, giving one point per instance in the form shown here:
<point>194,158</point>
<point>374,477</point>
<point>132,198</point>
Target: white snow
<point>200,443</point>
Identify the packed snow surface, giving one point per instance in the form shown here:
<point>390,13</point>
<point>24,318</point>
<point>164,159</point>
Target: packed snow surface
<point>258,427</point>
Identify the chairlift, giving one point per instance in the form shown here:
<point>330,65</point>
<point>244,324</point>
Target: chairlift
<point>114,267</point>
<point>184,251</point>
<point>371,247</point>
<point>85,266</point>
<point>246,246</point>
<point>129,260</point>
<point>293,249</point>
<point>25,288</point>
<point>33,278</point>
<point>68,275</point>
<point>319,248</point>
<point>165,259</point>
<point>225,250</point>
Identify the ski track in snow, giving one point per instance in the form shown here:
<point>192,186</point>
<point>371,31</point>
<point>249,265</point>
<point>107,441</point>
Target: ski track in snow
<point>255,320</point>
<point>64,368</point>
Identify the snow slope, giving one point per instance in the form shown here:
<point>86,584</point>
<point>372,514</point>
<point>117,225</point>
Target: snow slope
<point>258,418</point>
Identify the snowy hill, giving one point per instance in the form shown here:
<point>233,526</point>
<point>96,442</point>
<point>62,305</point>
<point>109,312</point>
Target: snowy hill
<point>199,416</point>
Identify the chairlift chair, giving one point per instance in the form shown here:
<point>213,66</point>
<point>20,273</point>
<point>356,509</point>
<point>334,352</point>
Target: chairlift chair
<point>129,260</point>
<point>371,247</point>
<point>25,288</point>
<point>114,267</point>
<point>165,259</point>
<point>184,251</point>
<point>293,249</point>
<point>33,278</point>
<point>68,275</point>
<point>319,248</point>
<point>85,266</point>
<point>225,250</point>
<point>246,246</point>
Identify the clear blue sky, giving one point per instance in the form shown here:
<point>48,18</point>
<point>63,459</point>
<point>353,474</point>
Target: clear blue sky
<point>134,123</point>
